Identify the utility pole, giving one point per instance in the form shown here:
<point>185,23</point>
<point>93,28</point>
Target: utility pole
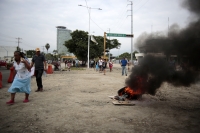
<point>131,3</point>
<point>104,44</point>
<point>18,41</point>
<point>109,48</point>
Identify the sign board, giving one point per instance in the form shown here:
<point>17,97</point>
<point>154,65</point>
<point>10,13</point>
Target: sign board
<point>119,35</point>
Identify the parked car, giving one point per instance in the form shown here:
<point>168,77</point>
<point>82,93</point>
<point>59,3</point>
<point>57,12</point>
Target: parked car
<point>3,63</point>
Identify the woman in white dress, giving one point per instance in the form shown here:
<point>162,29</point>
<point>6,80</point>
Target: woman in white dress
<point>22,78</point>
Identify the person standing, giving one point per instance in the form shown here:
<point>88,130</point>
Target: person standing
<point>40,66</point>
<point>77,61</point>
<point>66,63</point>
<point>135,62</point>
<point>97,66</point>
<point>104,65</point>
<point>123,64</point>
<point>100,64</point>
<point>110,65</point>
<point>69,64</point>
<point>22,78</point>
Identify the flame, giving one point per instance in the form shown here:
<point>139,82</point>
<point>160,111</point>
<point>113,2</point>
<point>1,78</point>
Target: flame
<point>136,91</point>
<point>132,92</point>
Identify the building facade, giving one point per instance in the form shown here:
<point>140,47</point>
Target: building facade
<point>63,34</point>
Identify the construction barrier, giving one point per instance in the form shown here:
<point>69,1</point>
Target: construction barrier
<point>0,80</point>
<point>49,70</point>
<point>10,79</point>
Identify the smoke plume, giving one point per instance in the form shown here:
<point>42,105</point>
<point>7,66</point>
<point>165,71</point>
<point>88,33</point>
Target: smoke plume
<point>184,44</point>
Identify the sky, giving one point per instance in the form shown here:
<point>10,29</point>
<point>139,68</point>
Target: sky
<point>35,21</point>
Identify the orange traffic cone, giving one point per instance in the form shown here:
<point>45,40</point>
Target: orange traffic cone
<point>1,80</point>
<point>49,70</point>
<point>10,79</point>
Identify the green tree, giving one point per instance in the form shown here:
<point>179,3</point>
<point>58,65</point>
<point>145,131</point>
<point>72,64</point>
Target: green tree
<point>30,53</point>
<point>78,45</point>
<point>125,55</point>
<point>18,48</point>
<point>48,56</point>
<point>47,46</point>
<point>55,51</point>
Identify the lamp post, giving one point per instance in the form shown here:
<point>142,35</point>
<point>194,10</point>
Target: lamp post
<point>89,9</point>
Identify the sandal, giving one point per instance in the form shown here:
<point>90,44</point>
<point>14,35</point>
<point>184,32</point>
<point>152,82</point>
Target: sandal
<point>10,102</point>
<point>25,101</point>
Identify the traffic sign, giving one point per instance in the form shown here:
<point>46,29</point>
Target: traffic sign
<point>119,35</point>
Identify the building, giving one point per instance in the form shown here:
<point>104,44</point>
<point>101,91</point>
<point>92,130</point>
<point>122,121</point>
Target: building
<point>63,34</point>
<point>7,52</point>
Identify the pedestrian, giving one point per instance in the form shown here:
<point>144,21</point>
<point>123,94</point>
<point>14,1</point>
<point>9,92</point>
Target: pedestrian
<point>92,63</point>
<point>65,63</point>
<point>100,64</point>
<point>128,63</point>
<point>21,79</point>
<point>123,64</point>
<point>69,64</point>
<point>77,61</point>
<point>97,66</point>
<point>135,62</point>
<point>40,66</point>
<point>110,65</point>
<point>104,65</point>
<point>73,63</point>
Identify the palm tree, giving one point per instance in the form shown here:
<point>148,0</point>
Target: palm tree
<point>47,46</point>
<point>55,51</point>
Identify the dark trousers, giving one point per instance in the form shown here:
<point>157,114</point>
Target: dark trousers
<point>38,75</point>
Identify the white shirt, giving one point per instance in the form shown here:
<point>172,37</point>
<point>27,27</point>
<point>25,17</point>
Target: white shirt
<point>22,71</point>
<point>135,62</point>
<point>100,62</point>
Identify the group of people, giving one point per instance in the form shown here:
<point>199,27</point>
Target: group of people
<point>101,65</point>
<point>22,74</point>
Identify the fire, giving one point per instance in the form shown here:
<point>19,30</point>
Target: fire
<point>133,93</point>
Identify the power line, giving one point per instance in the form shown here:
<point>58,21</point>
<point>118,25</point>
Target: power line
<point>119,20</point>
<point>140,6</point>
<point>97,25</point>
<point>138,3</point>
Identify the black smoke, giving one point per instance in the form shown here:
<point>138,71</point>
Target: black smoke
<point>184,44</point>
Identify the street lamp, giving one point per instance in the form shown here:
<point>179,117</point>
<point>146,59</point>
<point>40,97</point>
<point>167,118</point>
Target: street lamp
<point>89,8</point>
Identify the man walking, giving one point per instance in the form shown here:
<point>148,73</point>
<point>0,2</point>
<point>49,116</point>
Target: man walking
<point>40,66</point>
<point>123,64</point>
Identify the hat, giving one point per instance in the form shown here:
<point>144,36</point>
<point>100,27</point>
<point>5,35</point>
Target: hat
<point>37,49</point>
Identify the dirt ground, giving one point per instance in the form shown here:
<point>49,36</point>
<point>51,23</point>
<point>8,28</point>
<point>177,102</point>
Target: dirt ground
<point>77,102</point>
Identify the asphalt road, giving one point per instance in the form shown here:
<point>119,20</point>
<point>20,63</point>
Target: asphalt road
<point>5,75</point>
